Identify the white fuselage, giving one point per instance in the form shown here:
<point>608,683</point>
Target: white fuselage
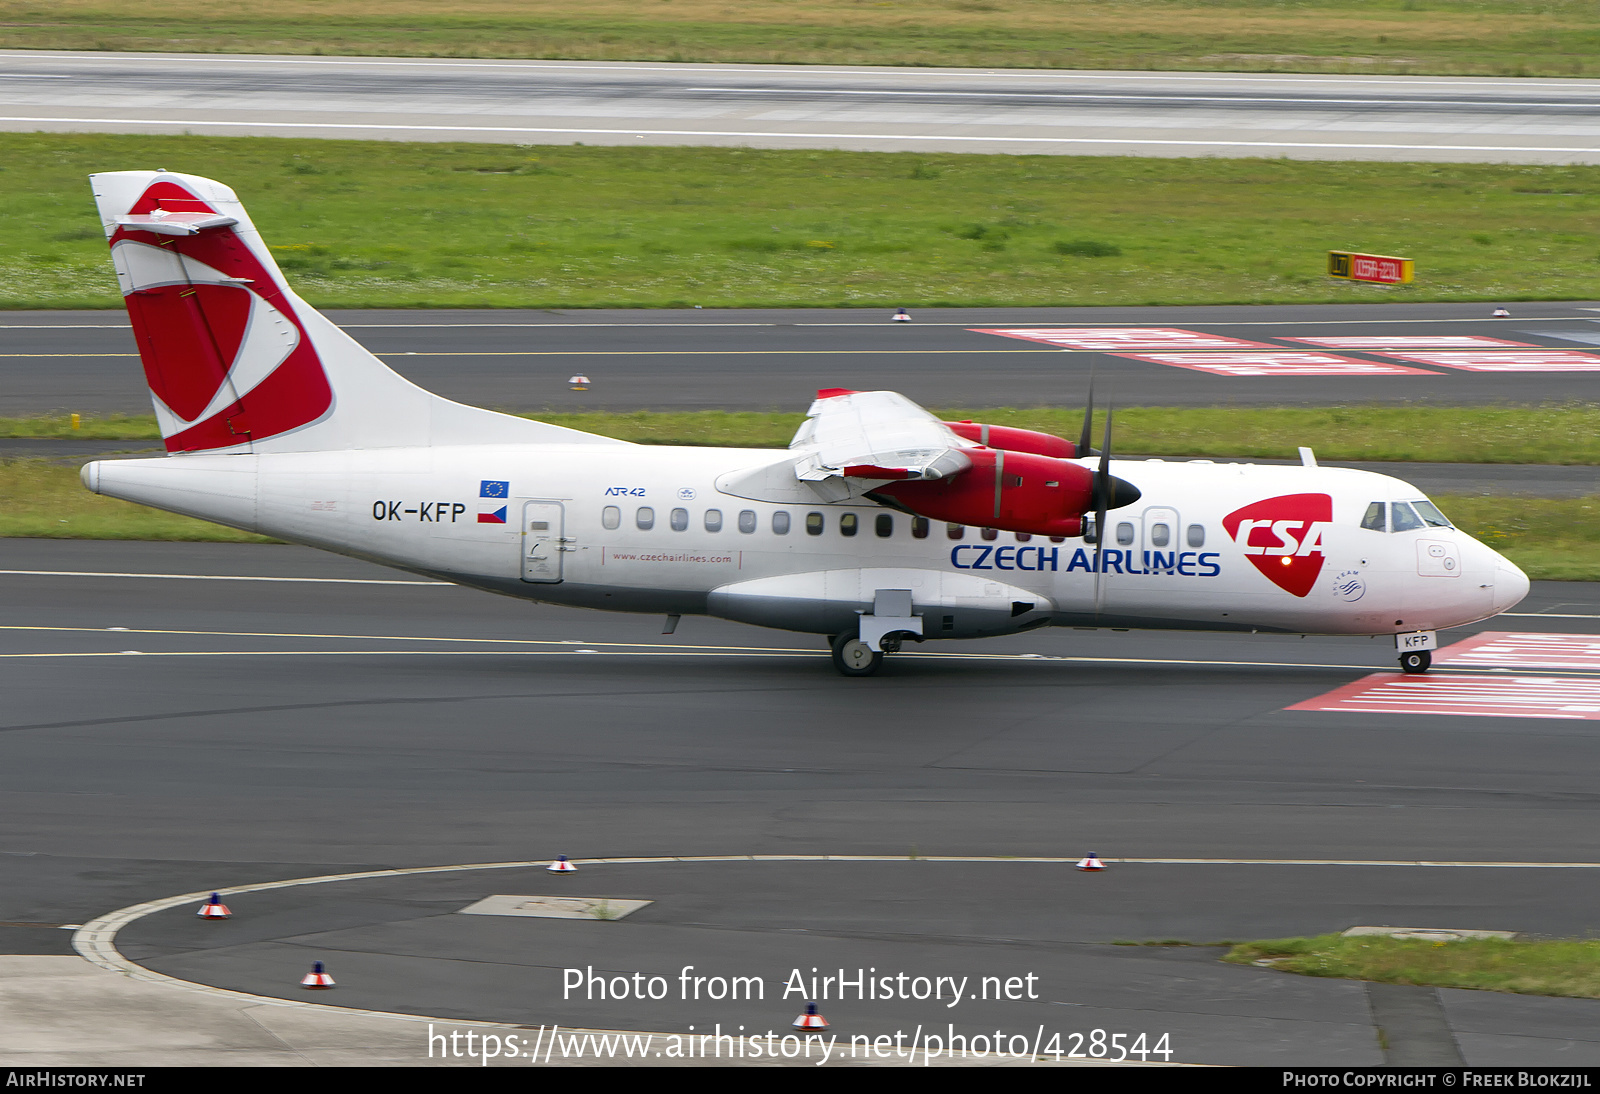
<point>637,528</point>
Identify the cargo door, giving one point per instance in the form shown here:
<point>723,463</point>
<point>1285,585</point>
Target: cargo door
<point>543,541</point>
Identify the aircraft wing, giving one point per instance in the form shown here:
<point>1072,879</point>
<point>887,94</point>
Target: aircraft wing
<point>875,435</point>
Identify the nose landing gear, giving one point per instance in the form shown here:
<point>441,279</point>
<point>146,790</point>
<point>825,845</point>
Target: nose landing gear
<point>1415,662</point>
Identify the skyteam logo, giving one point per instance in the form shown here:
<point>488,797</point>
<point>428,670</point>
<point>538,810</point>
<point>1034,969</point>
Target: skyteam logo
<point>1282,537</point>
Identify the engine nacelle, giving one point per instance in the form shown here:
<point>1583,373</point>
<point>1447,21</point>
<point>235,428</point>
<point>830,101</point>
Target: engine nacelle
<point>1013,491</point>
<point>1016,440</point>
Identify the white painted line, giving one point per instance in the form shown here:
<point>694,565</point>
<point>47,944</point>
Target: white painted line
<point>95,941</point>
<point>635,131</point>
<point>1134,98</point>
<point>1510,649</point>
<point>1568,698</point>
<point>1542,615</point>
<point>166,59</point>
<point>801,323</point>
<point>221,577</point>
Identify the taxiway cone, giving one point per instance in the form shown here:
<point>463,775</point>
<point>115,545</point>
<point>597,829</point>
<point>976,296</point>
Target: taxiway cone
<point>316,978</point>
<point>562,866</point>
<point>214,908</point>
<point>811,1019</point>
<point>579,383</point>
<point>901,316</point>
<point>1091,862</point>
<point>1501,313</point>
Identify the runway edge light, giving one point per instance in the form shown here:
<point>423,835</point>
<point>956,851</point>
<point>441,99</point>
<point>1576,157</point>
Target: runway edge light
<point>1091,862</point>
<point>317,977</point>
<point>214,908</point>
<point>562,866</point>
<point>811,1019</point>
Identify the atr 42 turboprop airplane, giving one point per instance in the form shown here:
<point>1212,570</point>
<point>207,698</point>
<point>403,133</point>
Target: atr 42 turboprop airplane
<point>880,524</point>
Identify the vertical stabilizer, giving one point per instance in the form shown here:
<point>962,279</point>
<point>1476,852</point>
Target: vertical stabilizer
<point>236,362</point>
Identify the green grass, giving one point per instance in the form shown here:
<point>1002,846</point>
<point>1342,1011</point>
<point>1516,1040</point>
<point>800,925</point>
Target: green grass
<point>1503,434</point>
<point>392,224</point>
<point>1555,539</point>
<point>1494,37</point>
<point>1561,967</point>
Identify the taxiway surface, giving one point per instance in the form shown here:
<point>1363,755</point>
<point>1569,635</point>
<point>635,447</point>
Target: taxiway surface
<point>169,734</point>
<point>796,106</point>
<point>766,359</point>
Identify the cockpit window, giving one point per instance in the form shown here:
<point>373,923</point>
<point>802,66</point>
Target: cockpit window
<point>1430,514</point>
<point>1405,519</point>
<point>1375,519</point>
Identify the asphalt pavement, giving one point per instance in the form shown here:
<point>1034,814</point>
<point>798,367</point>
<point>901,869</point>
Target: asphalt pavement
<point>767,359</point>
<point>1335,117</point>
<point>247,731</point>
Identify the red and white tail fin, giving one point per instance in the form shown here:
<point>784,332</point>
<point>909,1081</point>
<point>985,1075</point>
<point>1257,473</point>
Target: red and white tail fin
<point>236,361</point>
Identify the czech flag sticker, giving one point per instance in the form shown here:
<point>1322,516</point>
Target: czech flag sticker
<point>496,517</point>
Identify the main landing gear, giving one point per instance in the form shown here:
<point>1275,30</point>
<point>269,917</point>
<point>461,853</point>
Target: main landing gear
<point>1415,662</point>
<point>853,657</point>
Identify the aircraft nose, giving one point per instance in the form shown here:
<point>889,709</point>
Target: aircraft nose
<point>1510,585</point>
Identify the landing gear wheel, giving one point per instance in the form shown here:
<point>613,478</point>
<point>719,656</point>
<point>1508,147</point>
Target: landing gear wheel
<point>1416,663</point>
<point>853,657</point>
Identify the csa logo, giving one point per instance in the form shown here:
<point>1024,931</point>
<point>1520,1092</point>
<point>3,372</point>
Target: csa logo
<point>1282,537</point>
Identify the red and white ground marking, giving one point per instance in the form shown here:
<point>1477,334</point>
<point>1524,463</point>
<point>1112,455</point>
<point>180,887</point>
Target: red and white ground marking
<point>1573,697</point>
<point>1284,362</point>
<point>1409,341</point>
<point>1517,649</point>
<point>1507,360</point>
<point>1115,338</point>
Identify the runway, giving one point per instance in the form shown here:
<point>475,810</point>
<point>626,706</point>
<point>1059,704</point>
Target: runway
<point>521,360</point>
<point>268,713</point>
<point>1446,119</point>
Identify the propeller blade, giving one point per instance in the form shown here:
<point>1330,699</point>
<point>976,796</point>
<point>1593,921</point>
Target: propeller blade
<point>1102,499</point>
<point>1088,423</point>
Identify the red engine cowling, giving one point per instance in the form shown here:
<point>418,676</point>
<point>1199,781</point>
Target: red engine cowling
<point>1013,491</point>
<point>1015,440</point>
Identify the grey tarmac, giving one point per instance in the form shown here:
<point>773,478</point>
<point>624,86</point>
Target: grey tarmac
<point>769,359</point>
<point>1333,117</point>
<point>269,730</point>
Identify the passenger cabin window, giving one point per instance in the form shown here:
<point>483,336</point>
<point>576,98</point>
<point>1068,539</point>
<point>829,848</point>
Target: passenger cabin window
<point>1404,518</point>
<point>814,524</point>
<point>645,518</point>
<point>955,531</point>
<point>680,520</point>
<point>849,524</point>
<point>883,526</point>
<point>1125,534</point>
<point>1024,537</point>
<point>713,520</point>
<point>780,523</point>
<point>1376,518</point>
<point>1160,535</point>
<point>1197,535</point>
<point>747,521</point>
<point>611,517</point>
<point>919,527</point>
<point>990,533</point>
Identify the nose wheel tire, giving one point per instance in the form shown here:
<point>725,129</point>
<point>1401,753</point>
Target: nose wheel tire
<point>853,657</point>
<point>1416,663</point>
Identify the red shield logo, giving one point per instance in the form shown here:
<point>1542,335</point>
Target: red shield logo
<point>1282,537</point>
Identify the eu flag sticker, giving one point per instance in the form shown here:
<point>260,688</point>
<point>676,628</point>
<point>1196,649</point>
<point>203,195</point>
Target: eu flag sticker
<point>492,489</point>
